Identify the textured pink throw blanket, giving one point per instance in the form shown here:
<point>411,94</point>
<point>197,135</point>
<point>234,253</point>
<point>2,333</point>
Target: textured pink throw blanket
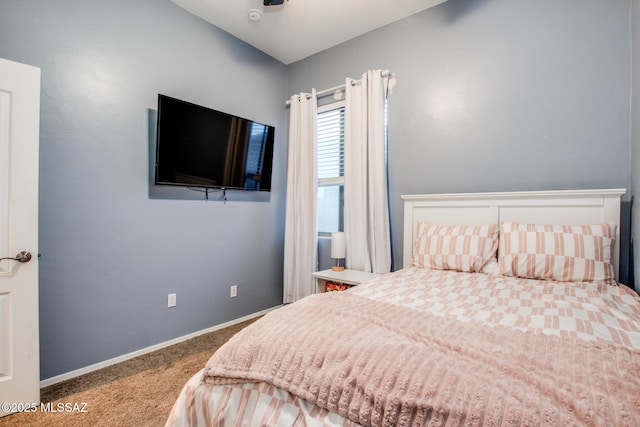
<point>384,365</point>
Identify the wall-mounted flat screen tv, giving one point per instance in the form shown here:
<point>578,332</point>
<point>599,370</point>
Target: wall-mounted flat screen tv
<point>197,146</point>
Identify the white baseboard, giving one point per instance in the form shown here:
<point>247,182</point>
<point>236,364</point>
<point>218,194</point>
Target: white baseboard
<point>100,365</point>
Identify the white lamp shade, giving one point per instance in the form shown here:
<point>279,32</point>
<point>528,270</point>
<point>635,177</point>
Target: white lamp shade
<point>338,245</point>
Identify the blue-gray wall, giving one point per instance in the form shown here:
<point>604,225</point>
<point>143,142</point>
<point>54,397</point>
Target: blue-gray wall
<point>497,95</point>
<point>110,253</point>
<point>492,95</point>
<point>635,129</point>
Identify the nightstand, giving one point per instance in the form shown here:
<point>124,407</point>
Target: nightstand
<point>347,277</point>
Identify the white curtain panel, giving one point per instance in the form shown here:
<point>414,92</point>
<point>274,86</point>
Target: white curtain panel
<point>365,179</point>
<point>300,235</point>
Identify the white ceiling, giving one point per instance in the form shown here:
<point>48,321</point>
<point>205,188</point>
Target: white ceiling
<point>300,28</point>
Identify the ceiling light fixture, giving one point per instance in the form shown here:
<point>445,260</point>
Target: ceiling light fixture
<point>255,15</point>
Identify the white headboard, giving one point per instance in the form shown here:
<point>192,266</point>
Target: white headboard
<point>564,207</point>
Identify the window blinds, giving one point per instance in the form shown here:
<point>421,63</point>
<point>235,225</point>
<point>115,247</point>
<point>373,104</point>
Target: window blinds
<point>330,128</point>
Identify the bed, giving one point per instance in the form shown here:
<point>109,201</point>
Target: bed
<point>507,311</point>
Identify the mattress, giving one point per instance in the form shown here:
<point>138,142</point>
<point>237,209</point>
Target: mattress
<point>423,346</point>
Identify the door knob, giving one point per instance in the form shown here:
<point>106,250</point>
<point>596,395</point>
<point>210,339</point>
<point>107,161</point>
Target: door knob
<point>23,256</point>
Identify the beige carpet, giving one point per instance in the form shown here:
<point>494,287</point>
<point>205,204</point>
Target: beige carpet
<point>138,392</point>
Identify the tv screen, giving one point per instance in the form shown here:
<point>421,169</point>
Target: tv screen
<point>200,147</point>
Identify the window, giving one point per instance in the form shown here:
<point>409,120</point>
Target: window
<point>330,128</point>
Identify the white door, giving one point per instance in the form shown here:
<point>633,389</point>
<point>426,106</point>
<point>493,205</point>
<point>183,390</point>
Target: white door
<point>19,141</point>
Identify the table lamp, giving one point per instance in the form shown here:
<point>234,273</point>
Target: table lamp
<point>338,249</point>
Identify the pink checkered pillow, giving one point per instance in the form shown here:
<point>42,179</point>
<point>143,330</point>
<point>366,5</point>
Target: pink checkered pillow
<point>461,248</point>
<point>581,253</point>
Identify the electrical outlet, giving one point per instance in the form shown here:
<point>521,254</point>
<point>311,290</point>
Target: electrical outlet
<point>233,291</point>
<point>171,300</point>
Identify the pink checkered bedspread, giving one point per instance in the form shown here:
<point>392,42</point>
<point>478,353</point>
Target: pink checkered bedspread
<point>589,311</point>
<point>486,350</point>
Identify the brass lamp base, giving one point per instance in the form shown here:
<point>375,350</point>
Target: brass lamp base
<point>337,268</point>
